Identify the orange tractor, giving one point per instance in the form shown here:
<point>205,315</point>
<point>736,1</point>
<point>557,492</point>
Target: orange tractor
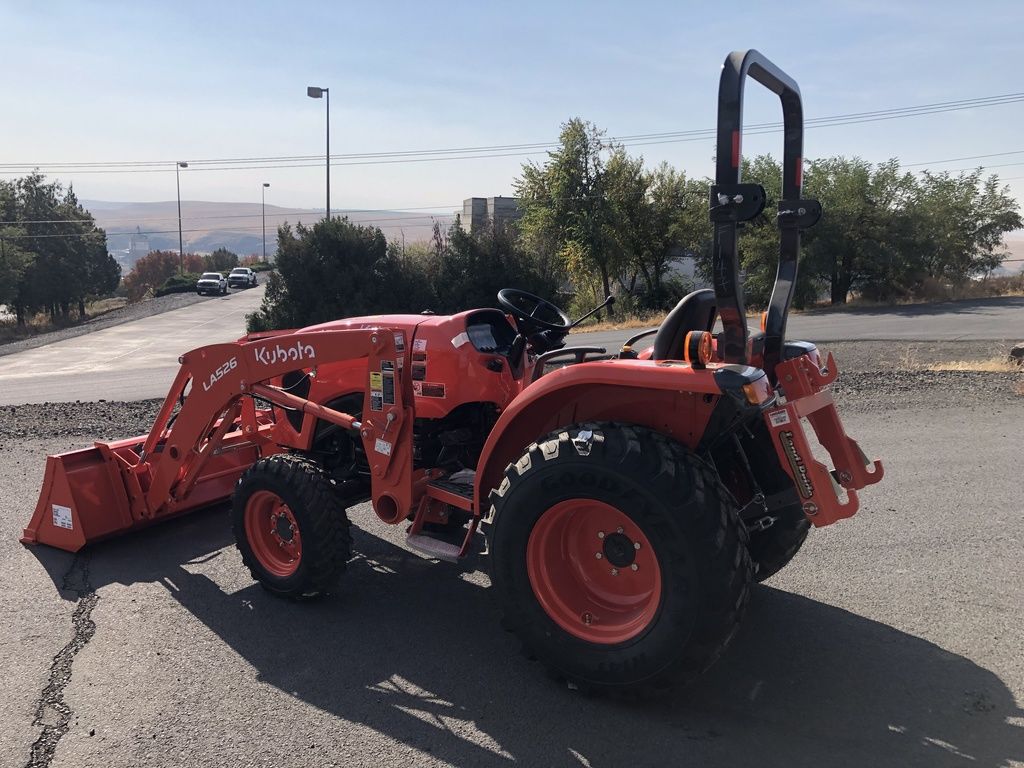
<point>627,503</point>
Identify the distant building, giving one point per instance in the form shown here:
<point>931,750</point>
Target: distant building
<point>138,246</point>
<point>480,211</point>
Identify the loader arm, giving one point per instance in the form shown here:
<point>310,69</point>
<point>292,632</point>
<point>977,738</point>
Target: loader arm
<point>209,430</point>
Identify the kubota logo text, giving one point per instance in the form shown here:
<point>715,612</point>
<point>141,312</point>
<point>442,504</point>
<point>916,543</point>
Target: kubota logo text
<point>279,354</point>
<point>220,373</point>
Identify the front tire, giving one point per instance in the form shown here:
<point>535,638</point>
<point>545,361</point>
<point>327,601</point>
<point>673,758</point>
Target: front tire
<point>573,595</point>
<point>290,526</point>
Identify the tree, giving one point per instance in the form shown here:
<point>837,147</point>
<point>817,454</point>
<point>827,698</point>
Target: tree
<point>62,256</point>
<point>961,222</point>
<point>565,210</point>
<point>679,227</point>
<point>152,270</point>
<point>331,270</point>
<point>471,267</point>
<point>221,260</point>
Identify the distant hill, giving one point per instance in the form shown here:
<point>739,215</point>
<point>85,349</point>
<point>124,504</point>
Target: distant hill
<point>207,226</point>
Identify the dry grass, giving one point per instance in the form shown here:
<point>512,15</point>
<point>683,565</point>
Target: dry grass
<point>992,365</point>
<point>102,306</point>
<point>623,323</point>
<point>40,323</point>
<point>933,291</point>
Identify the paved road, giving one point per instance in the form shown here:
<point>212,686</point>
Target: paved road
<point>138,360</point>
<point>132,361</point>
<point>999,319</point>
<point>894,639</point>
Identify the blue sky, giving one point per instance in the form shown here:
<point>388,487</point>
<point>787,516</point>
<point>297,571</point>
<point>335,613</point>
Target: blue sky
<point>89,81</point>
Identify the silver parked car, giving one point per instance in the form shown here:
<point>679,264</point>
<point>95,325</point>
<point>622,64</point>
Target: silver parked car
<point>211,282</point>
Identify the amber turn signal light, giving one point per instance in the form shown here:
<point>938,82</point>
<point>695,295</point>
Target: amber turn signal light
<point>697,348</point>
<point>758,392</point>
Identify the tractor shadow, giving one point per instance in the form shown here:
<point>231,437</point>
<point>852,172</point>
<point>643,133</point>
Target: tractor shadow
<point>413,650</point>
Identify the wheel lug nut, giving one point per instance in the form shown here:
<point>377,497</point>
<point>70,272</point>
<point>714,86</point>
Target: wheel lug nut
<point>619,529</point>
<point>635,567</point>
<point>636,545</point>
<point>600,534</point>
<point>615,571</point>
<point>598,555</point>
<point>588,618</point>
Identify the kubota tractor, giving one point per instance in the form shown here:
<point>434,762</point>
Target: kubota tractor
<point>628,503</point>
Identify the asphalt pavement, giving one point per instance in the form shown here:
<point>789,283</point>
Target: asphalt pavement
<point>893,639</point>
<point>134,360</point>
<point>998,319</point>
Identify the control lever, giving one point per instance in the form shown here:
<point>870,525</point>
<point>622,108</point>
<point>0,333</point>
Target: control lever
<point>608,301</point>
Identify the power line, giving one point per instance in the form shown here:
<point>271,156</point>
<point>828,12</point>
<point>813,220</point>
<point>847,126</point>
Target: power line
<point>969,157</point>
<point>498,150</point>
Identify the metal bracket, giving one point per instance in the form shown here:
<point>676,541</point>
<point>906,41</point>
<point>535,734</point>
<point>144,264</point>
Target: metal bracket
<point>736,202</point>
<point>799,214</point>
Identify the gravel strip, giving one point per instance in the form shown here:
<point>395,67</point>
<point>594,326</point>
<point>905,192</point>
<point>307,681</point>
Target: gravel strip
<point>856,391</point>
<point>125,314</point>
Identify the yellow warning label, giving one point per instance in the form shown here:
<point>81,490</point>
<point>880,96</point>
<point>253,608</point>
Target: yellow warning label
<point>376,380</point>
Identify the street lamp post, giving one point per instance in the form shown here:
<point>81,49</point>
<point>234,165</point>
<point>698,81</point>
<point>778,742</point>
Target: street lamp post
<point>181,248</point>
<point>265,185</point>
<point>318,93</point>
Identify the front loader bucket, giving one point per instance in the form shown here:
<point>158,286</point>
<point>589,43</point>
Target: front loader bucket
<point>83,499</point>
<point>93,493</point>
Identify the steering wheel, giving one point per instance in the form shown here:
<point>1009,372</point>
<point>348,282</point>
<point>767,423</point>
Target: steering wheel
<point>534,311</point>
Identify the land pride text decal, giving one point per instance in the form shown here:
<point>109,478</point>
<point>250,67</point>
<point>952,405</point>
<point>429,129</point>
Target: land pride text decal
<point>803,479</point>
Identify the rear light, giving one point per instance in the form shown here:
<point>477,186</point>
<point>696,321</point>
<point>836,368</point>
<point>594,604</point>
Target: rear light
<point>697,348</point>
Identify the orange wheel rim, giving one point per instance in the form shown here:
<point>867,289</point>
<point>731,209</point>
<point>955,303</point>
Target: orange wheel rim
<point>273,533</point>
<point>594,571</point>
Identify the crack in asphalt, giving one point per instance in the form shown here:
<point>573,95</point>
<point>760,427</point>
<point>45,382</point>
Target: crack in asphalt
<point>52,712</point>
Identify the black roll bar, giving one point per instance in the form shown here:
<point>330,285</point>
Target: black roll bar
<point>733,202</point>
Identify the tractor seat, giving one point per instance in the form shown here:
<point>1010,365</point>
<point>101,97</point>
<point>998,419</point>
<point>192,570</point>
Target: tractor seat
<point>696,311</point>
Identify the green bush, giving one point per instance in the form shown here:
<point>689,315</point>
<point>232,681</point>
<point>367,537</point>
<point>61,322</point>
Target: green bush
<point>337,269</point>
<point>178,284</point>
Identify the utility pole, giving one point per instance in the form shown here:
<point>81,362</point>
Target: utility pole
<point>181,248</point>
<point>265,185</point>
<point>318,93</point>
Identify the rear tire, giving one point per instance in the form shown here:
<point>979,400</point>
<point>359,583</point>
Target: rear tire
<point>614,631</point>
<point>773,548</point>
<point>291,527</point>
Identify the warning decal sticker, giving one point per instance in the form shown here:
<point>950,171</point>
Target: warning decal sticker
<point>419,345</point>
<point>428,389</point>
<point>62,517</point>
<point>389,388</point>
<point>400,341</point>
<point>779,418</point>
<point>376,391</point>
